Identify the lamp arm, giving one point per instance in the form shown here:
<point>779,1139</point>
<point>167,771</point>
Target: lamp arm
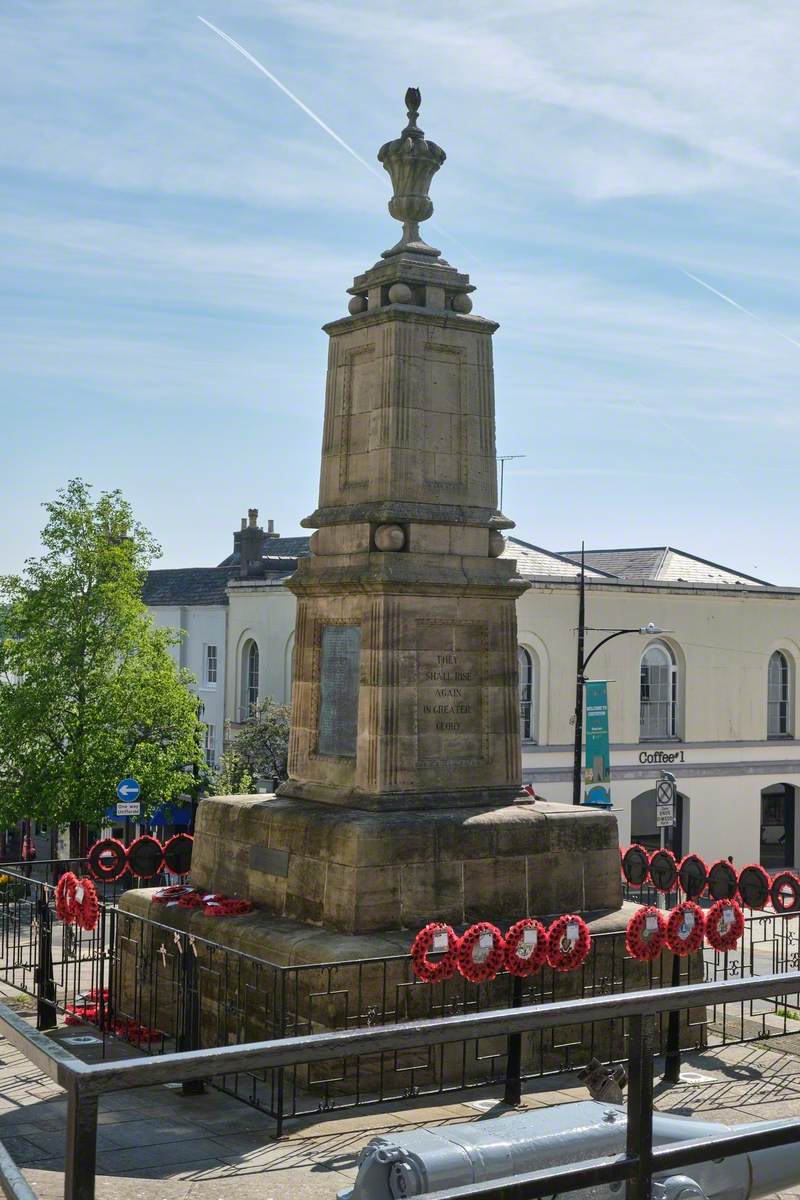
<point>610,637</point>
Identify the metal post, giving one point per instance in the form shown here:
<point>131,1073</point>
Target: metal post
<point>281,1080</point>
<point>81,1148</point>
<point>513,1092</point>
<point>189,1038</point>
<point>640,1106</point>
<point>576,764</point>
<point>45,981</point>
<point>672,1058</point>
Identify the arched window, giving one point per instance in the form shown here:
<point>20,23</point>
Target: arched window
<point>778,697</point>
<point>250,666</point>
<point>527,713</point>
<point>658,693</point>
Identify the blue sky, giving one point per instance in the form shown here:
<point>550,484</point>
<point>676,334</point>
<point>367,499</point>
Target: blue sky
<point>174,232</point>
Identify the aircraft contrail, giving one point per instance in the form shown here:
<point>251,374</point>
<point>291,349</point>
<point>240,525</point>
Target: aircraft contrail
<point>741,307</point>
<point>296,99</point>
<point>331,133</point>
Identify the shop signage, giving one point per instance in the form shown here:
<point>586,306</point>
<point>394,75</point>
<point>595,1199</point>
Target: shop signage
<point>661,756</point>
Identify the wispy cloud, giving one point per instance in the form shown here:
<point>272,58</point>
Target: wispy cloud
<point>174,229</point>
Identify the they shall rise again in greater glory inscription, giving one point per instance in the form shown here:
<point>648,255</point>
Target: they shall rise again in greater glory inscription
<point>451,678</point>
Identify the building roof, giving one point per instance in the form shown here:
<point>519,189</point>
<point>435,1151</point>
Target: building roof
<point>662,564</point>
<point>188,585</point>
<point>278,547</point>
<point>648,564</point>
<point>534,562</point>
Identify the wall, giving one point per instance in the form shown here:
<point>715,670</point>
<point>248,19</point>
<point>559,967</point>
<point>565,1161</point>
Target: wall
<point>264,613</point>
<point>722,759</point>
<point>199,626</point>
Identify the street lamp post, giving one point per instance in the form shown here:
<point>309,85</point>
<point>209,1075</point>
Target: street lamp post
<point>645,630</point>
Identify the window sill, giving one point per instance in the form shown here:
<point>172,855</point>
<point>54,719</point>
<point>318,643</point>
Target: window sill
<point>657,741</point>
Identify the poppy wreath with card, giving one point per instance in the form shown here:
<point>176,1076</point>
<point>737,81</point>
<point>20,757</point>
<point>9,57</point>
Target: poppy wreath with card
<point>663,870</point>
<point>226,906</point>
<point>108,860</point>
<point>754,886</point>
<point>565,953</point>
<point>172,893</point>
<point>723,933</point>
<point>524,956</point>
<point>635,865</point>
<point>646,934</point>
<point>85,908</point>
<point>785,892</point>
<point>444,967</point>
<point>686,916</point>
<point>65,897</point>
<point>484,968</point>
<point>693,876</point>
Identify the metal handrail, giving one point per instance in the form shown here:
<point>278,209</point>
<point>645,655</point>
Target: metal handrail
<point>85,1082</point>
<point>282,1052</point>
<point>12,1182</point>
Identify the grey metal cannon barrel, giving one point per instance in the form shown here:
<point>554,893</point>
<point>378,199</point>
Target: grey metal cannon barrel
<point>421,1161</point>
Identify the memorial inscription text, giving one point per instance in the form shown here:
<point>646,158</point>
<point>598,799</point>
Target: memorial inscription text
<point>450,683</point>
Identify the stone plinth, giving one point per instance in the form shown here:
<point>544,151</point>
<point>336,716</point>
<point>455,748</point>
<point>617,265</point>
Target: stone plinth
<point>377,871</point>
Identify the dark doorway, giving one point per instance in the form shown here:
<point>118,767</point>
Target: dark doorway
<point>643,824</point>
<point>777,827</point>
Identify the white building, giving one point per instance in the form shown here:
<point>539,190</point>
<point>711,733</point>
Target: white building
<point>713,700</point>
<point>193,604</point>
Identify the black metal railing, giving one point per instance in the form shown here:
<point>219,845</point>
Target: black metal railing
<point>50,870</point>
<point>165,990</point>
<point>636,1013</point>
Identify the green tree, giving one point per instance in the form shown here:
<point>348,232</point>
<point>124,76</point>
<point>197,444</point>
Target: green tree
<point>89,692</point>
<point>232,777</point>
<point>260,747</point>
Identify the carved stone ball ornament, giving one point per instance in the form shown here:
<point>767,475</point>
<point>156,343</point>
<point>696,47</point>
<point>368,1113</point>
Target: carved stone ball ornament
<point>400,293</point>
<point>390,538</point>
<point>412,163</point>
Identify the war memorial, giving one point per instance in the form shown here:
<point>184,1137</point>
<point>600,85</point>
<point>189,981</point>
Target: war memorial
<point>404,802</point>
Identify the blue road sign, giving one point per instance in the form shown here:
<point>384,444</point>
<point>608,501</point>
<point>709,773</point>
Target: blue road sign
<point>128,789</point>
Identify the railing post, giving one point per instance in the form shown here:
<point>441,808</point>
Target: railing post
<point>672,1057</point>
<point>640,1105</point>
<point>513,1092</point>
<point>81,1148</point>
<point>45,980</point>
<point>189,1038</point>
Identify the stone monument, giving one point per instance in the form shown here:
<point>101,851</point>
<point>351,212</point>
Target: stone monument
<point>404,801</point>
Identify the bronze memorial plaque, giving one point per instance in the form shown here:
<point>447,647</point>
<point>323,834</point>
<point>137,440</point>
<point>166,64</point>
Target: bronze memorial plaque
<point>340,652</point>
<point>451,677</point>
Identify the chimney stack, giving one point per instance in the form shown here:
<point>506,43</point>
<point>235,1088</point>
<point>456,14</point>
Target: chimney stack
<point>251,544</point>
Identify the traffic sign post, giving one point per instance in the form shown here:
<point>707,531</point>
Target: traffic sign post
<point>665,803</point>
<point>128,803</point>
<point>128,789</point>
<point>666,790</point>
<point>129,808</point>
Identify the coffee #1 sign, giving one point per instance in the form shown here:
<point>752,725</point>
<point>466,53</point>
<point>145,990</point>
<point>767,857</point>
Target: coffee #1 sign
<point>661,756</point>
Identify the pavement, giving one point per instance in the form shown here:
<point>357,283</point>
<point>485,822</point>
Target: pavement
<point>156,1144</point>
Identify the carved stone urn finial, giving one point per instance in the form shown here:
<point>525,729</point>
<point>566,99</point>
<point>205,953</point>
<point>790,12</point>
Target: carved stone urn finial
<point>412,163</point>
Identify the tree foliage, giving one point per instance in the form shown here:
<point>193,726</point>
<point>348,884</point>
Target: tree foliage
<point>231,777</point>
<point>89,692</point>
<point>258,750</point>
